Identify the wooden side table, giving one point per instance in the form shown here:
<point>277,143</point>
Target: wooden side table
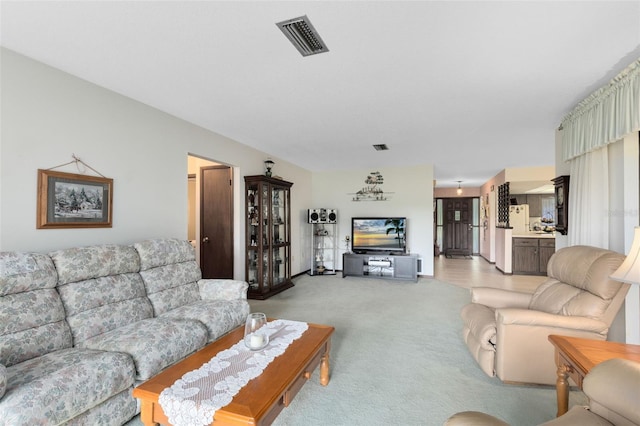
<point>575,357</point>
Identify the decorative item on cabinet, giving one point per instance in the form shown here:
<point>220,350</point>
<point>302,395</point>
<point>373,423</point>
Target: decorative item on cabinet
<point>268,165</point>
<point>268,235</point>
<point>561,184</point>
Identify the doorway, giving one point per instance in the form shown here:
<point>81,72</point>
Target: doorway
<point>211,219</point>
<point>459,222</point>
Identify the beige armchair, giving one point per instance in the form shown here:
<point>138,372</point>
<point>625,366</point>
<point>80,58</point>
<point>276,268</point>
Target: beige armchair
<point>612,389</point>
<point>507,331</point>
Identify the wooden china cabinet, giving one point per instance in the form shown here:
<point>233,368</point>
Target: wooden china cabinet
<point>268,235</point>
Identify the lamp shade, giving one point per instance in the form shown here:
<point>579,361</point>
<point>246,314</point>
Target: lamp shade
<point>629,271</point>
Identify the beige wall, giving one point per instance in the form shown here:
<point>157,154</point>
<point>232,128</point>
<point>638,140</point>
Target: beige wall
<point>48,115</point>
<point>411,196</point>
<point>452,192</point>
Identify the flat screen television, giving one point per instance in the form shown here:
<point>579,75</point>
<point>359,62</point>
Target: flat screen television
<point>379,234</point>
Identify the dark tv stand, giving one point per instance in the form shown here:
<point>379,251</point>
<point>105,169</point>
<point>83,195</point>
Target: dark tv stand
<point>380,265</point>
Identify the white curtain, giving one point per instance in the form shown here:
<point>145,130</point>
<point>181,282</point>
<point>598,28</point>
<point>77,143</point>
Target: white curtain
<point>589,199</point>
<point>605,116</point>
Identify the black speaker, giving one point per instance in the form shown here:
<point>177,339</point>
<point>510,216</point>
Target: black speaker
<point>332,215</point>
<point>314,215</point>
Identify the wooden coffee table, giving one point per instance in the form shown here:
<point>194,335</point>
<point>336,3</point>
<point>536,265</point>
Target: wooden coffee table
<point>262,399</point>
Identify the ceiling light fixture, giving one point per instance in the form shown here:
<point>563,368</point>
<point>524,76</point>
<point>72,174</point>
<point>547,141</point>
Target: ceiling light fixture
<point>381,147</point>
<point>303,36</point>
<point>459,190</point>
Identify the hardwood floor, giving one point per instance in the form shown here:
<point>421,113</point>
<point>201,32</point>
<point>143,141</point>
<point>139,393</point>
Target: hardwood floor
<point>477,272</point>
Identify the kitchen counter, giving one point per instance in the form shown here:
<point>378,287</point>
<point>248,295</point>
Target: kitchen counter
<point>535,235</point>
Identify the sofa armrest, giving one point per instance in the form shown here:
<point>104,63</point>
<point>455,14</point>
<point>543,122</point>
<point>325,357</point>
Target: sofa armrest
<point>3,380</point>
<point>500,298</point>
<point>221,289</point>
<point>531,318</point>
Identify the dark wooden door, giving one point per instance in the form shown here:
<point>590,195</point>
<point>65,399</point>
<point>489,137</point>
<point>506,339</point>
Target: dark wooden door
<point>216,222</point>
<point>458,226</point>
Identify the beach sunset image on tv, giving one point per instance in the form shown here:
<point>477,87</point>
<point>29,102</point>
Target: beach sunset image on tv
<point>385,233</point>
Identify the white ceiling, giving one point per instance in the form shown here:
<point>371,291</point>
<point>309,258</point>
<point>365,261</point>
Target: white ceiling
<point>471,87</point>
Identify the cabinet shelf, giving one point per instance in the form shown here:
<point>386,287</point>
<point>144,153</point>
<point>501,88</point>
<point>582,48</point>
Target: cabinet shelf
<point>268,236</point>
<point>324,248</point>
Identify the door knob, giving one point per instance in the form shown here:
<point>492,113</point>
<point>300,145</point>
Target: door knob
<point>205,240</point>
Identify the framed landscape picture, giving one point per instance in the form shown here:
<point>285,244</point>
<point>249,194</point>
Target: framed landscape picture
<point>67,200</point>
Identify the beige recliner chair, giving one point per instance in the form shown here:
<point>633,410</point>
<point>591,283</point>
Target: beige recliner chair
<point>507,331</point>
<point>612,389</point>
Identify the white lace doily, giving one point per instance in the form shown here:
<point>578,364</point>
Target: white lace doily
<point>194,399</point>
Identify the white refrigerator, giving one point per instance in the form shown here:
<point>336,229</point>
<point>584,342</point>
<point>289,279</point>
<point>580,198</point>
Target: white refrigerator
<point>519,218</point>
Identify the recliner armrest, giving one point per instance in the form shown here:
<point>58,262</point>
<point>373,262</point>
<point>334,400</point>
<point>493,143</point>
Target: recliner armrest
<point>222,289</point>
<point>543,319</point>
<point>500,298</point>
<point>612,387</point>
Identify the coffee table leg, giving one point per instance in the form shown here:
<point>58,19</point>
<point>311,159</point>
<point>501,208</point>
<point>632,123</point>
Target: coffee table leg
<point>146,413</point>
<point>324,366</point>
<point>562,389</point>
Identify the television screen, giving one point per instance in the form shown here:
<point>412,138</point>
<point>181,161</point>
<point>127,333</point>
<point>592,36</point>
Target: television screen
<point>378,234</point>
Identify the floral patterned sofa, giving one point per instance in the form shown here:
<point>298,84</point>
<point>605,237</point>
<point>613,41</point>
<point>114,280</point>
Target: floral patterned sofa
<point>80,327</point>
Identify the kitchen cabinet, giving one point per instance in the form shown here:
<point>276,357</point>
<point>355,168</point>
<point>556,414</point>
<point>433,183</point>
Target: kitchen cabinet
<point>268,236</point>
<point>531,255</point>
<point>535,205</point>
<point>546,248</point>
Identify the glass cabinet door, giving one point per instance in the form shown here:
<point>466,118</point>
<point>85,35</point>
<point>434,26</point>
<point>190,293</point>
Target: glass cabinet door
<point>253,234</point>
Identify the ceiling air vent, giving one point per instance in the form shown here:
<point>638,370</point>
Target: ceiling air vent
<point>304,37</point>
<point>381,147</point>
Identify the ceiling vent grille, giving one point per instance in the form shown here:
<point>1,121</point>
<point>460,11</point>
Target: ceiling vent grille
<point>303,36</point>
<point>381,147</point>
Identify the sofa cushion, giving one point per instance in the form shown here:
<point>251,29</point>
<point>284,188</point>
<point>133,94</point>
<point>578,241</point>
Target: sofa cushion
<point>82,263</point>
<point>170,273</point>
<point>587,268</point>
<point>586,304</point>
<point>32,318</point>
<point>164,251</point>
<point>101,289</point>
<point>117,410</point>
<point>103,304</point>
<point>171,286</point>
<point>579,283</point>
<point>58,386</point>
<point>219,317</point>
<point>153,343</point>
<point>20,272</point>
<point>552,295</point>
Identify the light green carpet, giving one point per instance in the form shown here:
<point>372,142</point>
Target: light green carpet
<point>397,357</point>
